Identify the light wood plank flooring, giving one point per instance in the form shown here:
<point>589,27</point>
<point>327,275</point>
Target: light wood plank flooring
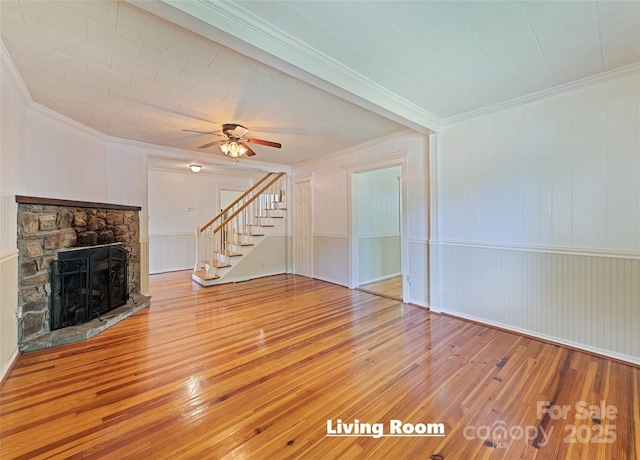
<point>391,287</point>
<point>257,369</point>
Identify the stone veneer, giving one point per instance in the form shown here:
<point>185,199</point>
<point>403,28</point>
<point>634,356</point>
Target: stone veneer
<point>46,227</point>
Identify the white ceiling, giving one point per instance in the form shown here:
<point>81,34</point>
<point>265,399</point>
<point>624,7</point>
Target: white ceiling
<point>317,76</point>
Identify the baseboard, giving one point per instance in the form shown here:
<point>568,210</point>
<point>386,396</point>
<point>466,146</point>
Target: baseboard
<point>6,369</point>
<point>171,269</point>
<point>381,278</point>
<point>545,338</point>
<point>419,304</point>
<point>329,280</point>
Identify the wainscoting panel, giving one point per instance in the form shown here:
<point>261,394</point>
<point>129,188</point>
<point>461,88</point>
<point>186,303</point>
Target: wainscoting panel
<point>588,301</point>
<point>331,258</point>
<point>171,251</point>
<point>379,257</point>
<point>144,266</point>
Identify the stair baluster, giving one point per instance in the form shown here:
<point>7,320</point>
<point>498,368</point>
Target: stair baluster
<point>225,234</point>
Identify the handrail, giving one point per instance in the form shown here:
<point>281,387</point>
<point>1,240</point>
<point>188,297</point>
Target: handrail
<point>217,252</point>
<point>249,201</point>
<point>236,201</point>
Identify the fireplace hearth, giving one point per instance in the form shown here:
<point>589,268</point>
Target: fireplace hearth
<point>87,283</point>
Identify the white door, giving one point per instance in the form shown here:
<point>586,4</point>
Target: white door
<point>302,229</point>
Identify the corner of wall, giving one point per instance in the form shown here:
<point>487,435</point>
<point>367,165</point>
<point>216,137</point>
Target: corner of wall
<point>14,77</point>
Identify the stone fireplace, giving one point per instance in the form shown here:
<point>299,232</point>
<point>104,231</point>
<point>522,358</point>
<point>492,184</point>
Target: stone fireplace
<point>49,227</point>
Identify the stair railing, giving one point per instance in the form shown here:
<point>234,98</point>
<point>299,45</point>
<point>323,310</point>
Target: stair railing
<point>233,226</point>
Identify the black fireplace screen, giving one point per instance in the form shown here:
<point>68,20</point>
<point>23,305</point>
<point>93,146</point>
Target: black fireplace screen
<point>88,282</point>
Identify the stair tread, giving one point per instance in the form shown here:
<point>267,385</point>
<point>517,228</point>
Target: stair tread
<point>218,264</point>
<point>230,254</point>
<point>203,274</point>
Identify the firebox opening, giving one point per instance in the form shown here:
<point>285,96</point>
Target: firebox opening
<point>88,282</point>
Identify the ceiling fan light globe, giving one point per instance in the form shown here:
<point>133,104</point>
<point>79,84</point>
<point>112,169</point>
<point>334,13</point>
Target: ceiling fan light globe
<point>225,148</point>
<point>233,149</point>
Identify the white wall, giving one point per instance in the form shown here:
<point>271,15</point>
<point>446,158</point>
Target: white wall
<point>127,184</point>
<point>179,202</point>
<point>331,207</point>
<point>378,223</point>
<point>63,159</point>
<point>127,177</point>
<point>539,217</point>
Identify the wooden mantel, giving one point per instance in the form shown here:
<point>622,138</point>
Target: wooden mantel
<point>72,203</point>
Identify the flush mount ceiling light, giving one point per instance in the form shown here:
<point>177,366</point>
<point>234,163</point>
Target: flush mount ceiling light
<point>195,168</point>
<point>233,149</point>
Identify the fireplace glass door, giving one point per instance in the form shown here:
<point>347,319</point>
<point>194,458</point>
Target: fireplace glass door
<point>88,282</point>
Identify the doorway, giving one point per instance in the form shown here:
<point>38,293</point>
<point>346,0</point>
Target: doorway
<point>227,197</point>
<point>378,234</point>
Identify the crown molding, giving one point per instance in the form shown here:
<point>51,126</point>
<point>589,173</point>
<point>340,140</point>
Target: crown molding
<point>15,78</point>
<point>544,94</point>
<point>234,20</point>
<point>157,150</point>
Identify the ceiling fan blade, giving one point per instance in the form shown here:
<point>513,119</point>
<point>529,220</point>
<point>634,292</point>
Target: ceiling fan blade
<point>250,152</point>
<point>210,144</point>
<point>261,142</point>
<point>199,132</point>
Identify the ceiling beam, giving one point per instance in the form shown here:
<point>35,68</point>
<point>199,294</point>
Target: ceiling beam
<point>228,24</point>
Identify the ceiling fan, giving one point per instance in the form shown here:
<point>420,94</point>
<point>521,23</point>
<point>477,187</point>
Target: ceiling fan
<point>235,144</point>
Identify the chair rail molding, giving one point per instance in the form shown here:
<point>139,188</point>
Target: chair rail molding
<point>592,252</point>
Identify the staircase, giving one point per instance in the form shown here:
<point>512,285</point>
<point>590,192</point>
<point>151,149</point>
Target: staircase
<point>227,241</point>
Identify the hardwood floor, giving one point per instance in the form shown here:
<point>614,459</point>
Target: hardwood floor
<point>391,287</point>
<point>258,370</point>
